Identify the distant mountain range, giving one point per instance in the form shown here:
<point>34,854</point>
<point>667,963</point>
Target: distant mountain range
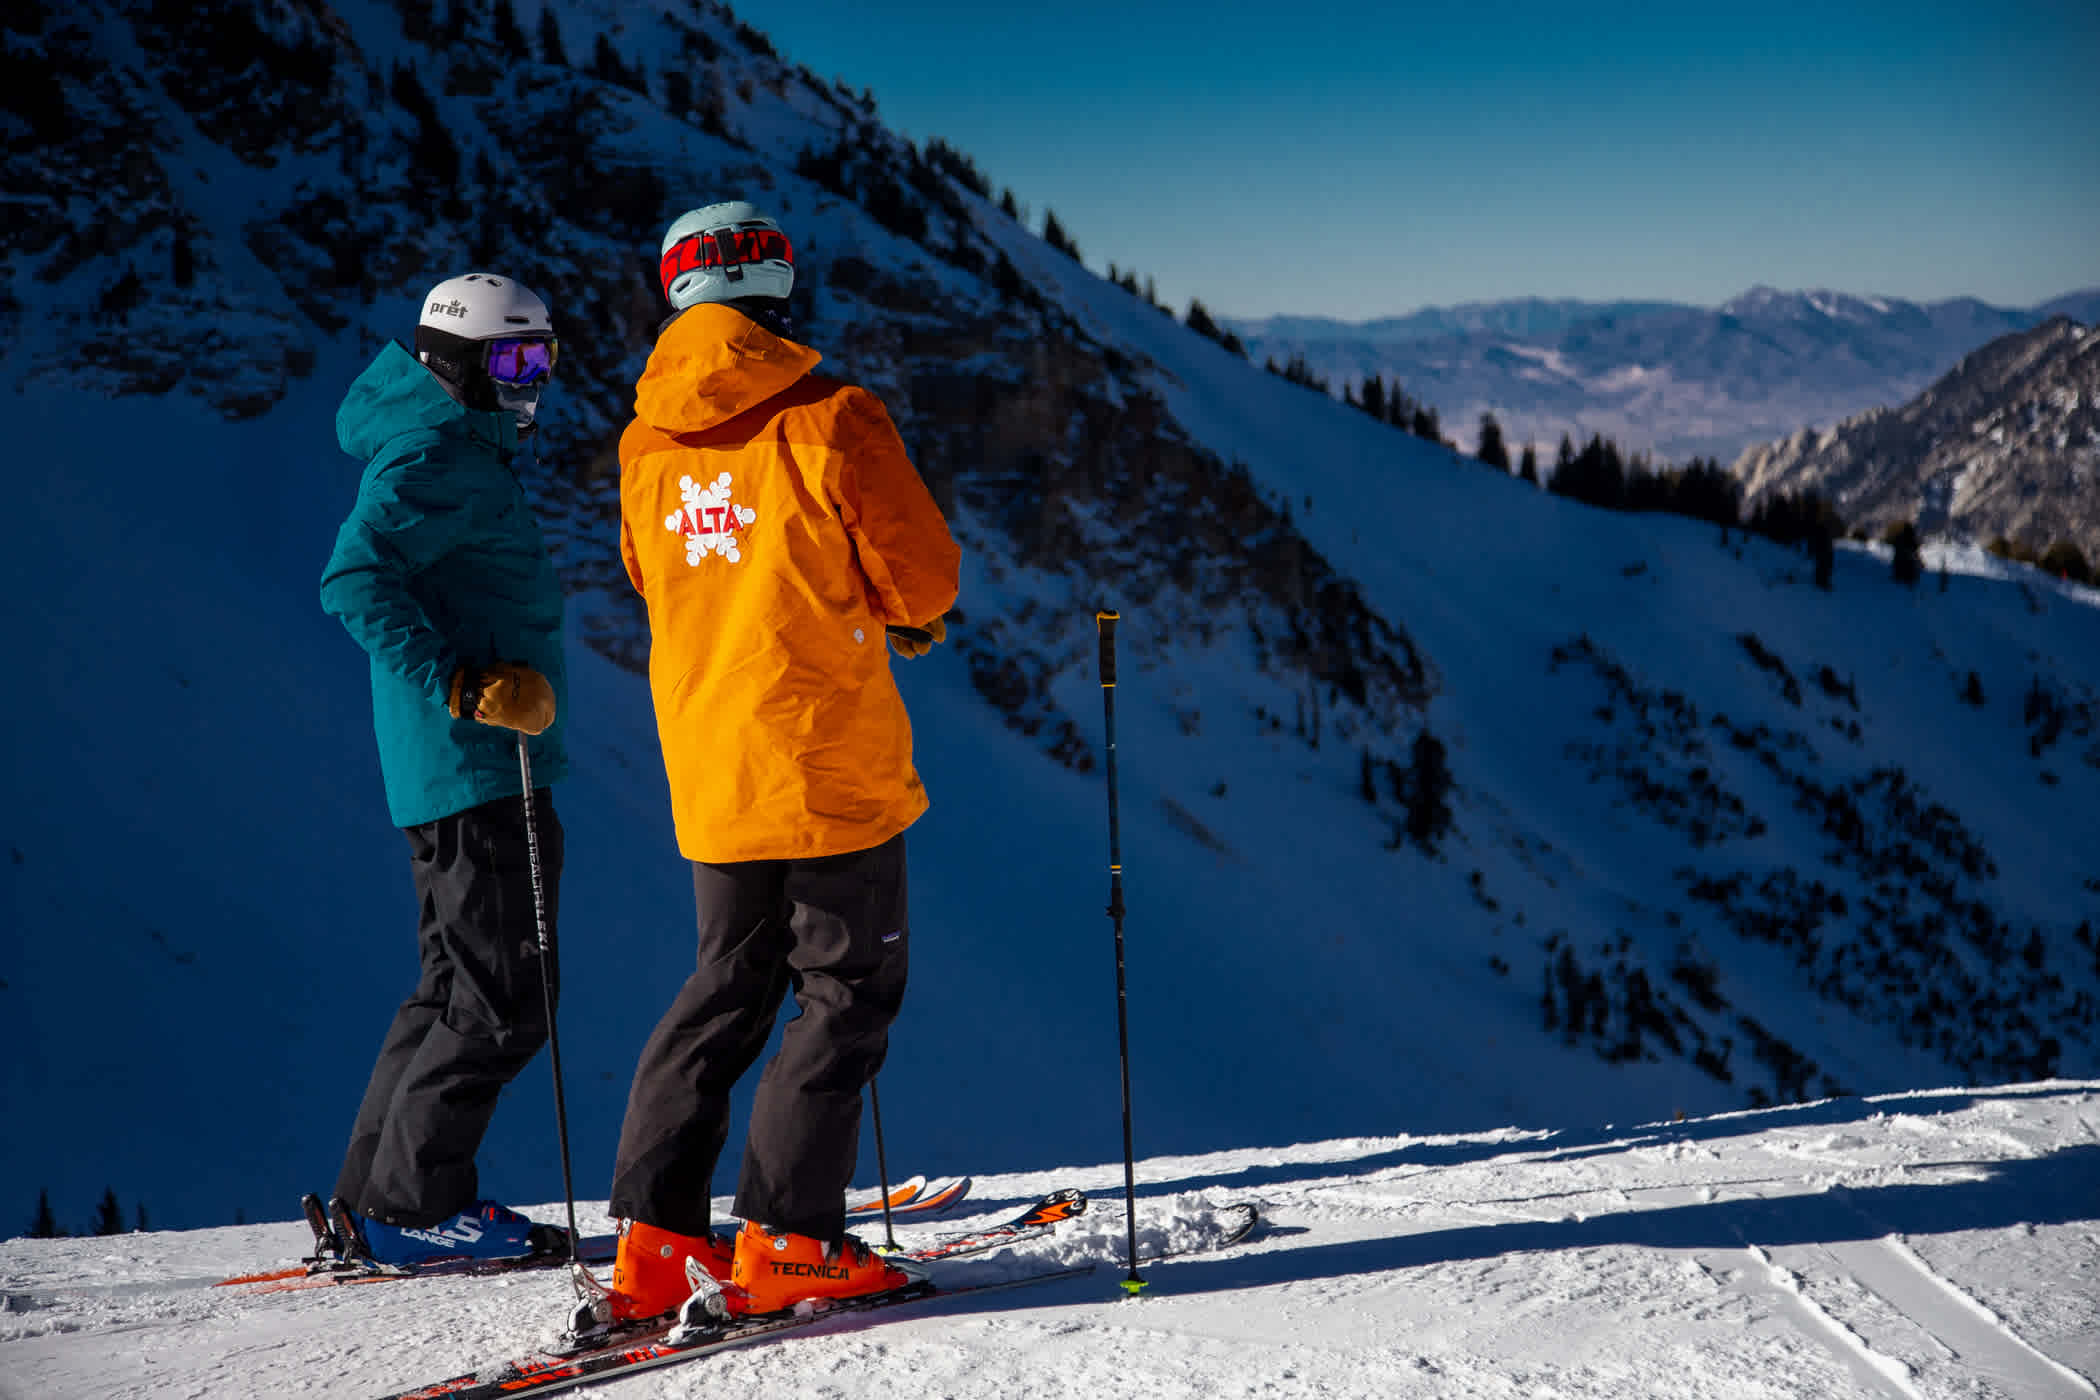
<point>1675,380</point>
<point>2007,444</point>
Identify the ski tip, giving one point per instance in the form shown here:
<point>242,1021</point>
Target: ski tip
<point>943,1200</point>
<point>872,1202</point>
<point>1249,1218</point>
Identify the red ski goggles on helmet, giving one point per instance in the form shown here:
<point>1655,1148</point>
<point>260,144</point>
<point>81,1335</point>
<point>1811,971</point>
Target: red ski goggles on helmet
<point>726,248</point>
<point>518,361</point>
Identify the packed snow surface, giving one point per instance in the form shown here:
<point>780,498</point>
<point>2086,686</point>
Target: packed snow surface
<point>1929,1244</point>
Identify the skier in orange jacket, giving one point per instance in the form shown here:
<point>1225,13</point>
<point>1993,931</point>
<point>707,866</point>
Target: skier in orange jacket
<point>774,526</point>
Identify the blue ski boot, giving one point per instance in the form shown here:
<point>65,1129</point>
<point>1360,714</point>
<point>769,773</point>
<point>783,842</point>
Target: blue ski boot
<point>485,1230</point>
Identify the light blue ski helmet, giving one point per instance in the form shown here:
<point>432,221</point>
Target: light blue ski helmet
<point>725,252</point>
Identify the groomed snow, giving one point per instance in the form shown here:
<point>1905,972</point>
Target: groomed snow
<point>1930,1244</point>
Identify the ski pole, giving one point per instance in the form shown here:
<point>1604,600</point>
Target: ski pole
<point>539,914</point>
<point>882,1168</point>
<point>1106,621</point>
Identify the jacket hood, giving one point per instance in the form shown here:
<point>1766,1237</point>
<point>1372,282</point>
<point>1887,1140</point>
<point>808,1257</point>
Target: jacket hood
<point>397,395</point>
<point>711,363</point>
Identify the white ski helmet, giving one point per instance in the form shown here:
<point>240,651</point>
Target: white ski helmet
<point>469,320</point>
<point>725,253</point>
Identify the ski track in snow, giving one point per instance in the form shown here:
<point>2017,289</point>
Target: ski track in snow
<point>1912,1247</point>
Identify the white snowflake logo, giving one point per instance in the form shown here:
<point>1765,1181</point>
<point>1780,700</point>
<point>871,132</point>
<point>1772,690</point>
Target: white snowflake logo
<point>709,520</point>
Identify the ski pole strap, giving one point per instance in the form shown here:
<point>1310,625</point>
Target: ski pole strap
<point>1106,620</point>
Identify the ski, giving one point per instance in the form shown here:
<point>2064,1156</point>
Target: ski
<point>1039,1219</point>
<point>937,1198</point>
<point>1239,1219</point>
<point>335,1260</point>
<point>923,1198</point>
<point>903,1191</point>
<point>340,1257</point>
<point>545,1373</point>
<point>327,1249</point>
<point>591,1249</point>
<point>635,1349</point>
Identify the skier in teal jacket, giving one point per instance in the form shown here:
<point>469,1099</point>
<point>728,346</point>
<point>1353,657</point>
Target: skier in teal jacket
<point>441,574</point>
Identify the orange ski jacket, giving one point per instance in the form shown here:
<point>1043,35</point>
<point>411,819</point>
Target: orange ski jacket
<point>774,526</point>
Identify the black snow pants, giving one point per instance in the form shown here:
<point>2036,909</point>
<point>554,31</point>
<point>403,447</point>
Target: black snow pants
<point>476,1017</point>
<point>832,928</point>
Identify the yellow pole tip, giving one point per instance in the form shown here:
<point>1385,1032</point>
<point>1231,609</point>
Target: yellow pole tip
<point>1134,1286</point>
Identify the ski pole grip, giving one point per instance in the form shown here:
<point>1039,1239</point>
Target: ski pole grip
<point>1106,620</point>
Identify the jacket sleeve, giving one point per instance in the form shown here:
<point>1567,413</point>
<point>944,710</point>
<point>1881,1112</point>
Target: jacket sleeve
<point>912,563</point>
<point>405,519</point>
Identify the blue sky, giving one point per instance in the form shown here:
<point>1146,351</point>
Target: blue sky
<point>1362,160</point>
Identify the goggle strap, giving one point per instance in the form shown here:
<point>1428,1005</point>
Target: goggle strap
<point>725,248</point>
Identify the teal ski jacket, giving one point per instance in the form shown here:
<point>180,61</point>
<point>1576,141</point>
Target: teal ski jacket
<point>441,564</point>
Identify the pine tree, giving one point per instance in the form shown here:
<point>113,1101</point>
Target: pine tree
<point>551,50</point>
<point>1373,400</point>
<point>1054,234</point>
<point>1199,320</point>
<point>45,1226</point>
<point>1528,468</point>
<point>1492,450</point>
<point>1428,792</point>
<point>504,25</point>
<point>2067,561</point>
<point>678,91</point>
<point>606,63</point>
<point>1908,565</point>
<point>109,1216</point>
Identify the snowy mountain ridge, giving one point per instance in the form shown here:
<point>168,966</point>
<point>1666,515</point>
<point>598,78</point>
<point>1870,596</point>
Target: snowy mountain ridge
<point>1717,838</point>
<point>1675,380</point>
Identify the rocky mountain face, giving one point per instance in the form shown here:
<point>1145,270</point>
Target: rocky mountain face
<point>1678,381</point>
<point>2005,445</point>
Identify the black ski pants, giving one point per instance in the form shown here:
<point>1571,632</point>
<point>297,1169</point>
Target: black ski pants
<point>834,930</point>
<point>476,1017</point>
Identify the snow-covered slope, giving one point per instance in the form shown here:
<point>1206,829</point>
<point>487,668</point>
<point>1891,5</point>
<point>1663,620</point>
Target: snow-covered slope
<point>1719,838</point>
<point>1933,1244</point>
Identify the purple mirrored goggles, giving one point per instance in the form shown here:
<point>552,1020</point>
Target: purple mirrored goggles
<point>519,360</point>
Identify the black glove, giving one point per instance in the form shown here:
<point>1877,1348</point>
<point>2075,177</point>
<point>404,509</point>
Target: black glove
<point>910,642</point>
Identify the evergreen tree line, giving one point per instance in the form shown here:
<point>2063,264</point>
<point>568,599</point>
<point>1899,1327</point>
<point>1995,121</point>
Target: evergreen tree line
<point>1600,474</point>
<point>2062,558</point>
<point>1390,405</point>
<point>109,1218</point>
<point>1395,407</point>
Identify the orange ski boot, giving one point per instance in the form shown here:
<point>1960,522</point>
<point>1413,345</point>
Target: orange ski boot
<point>649,1272</point>
<point>775,1270</point>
